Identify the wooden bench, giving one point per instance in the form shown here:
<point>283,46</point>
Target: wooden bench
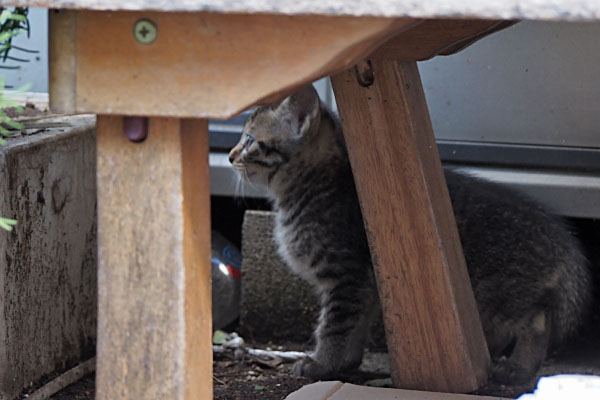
<point>179,62</point>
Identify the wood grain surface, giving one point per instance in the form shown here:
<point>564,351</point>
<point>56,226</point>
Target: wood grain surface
<point>201,64</point>
<point>62,60</point>
<point>154,291</point>
<point>433,330</point>
<point>437,37</point>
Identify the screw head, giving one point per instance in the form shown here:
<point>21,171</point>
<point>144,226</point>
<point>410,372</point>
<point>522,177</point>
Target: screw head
<point>145,31</point>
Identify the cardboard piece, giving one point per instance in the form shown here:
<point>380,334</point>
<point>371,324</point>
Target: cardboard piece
<point>335,390</point>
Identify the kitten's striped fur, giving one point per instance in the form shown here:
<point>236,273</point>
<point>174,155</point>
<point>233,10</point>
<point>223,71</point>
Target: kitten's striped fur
<point>531,281</point>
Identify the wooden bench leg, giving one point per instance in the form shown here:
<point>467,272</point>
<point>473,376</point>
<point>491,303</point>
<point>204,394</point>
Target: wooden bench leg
<point>434,334</point>
<point>154,322</point>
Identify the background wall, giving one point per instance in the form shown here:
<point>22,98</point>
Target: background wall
<point>536,82</point>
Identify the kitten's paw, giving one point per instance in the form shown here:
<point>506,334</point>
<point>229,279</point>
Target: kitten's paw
<point>313,369</point>
<point>510,373</point>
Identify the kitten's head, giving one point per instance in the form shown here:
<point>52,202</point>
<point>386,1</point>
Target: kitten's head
<point>272,136</point>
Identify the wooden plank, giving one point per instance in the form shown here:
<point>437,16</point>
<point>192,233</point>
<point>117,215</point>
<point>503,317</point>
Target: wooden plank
<point>154,317</point>
<point>62,61</point>
<point>468,40</point>
<point>197,256</point>
<point>433,329</point>
<point>207,65</point>
<point>437,37</point>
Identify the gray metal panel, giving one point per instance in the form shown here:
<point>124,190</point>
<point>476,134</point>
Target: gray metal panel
<point>512,155</point>
<point>563,193</point>
<point>535,83</point>
<point>572,194</point>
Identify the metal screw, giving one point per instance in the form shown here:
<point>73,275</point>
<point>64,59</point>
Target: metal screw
<point>145,31</point>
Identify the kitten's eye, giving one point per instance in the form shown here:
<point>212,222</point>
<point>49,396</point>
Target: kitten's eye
<point>248,141</point>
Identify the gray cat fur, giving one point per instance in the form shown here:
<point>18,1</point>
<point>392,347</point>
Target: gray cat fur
<point>530,278</point>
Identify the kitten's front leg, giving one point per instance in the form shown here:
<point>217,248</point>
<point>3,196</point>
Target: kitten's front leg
<point>346,314</point>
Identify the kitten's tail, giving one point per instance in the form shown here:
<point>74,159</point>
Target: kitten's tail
<point>592,325</point>
<point>574,295</point>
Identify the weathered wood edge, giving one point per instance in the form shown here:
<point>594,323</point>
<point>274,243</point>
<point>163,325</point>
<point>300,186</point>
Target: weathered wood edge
<point>352,55</point>
<point>433,37</point>
<point>432,325</point>
<point>78,67</point>
<point>62,61</point>
<point>79,81</point>
<point>197,248</point>
<point>154,290</point>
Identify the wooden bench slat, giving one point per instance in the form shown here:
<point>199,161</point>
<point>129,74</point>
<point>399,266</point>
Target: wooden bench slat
<point>154,288</point>
<point>434,335</point>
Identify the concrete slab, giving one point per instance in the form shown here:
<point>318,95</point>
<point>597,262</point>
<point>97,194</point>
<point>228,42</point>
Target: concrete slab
<point>48,262</point>
<point>275,304</point>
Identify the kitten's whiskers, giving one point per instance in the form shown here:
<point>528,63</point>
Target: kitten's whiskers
<point>241,176</point>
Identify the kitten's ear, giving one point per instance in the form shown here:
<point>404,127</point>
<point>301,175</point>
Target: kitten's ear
<point>300,109</point>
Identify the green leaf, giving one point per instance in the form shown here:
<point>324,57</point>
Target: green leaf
<point>24,88</point>
<point>259,387</point>
<point>7,102</point>
<point>219,337</point>
<point>12,22</point>
<point>17,17</point>
<point>8,14</point>
<point>14,124</point>
<point>4,15</point>
<point>4,36</point>
<point>4,131</point>
<point>7,224</point>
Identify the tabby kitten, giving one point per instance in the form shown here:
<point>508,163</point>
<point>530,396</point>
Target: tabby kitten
<point>530,279</point>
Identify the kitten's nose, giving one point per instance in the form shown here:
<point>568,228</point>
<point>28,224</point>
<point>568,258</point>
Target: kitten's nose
<point>232,155</point>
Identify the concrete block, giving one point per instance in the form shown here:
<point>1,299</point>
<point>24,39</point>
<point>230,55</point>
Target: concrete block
<point>275,304</point>
<point>48,262</point>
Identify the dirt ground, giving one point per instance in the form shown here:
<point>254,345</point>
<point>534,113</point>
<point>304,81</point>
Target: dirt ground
<point>246,379</point>
<point>83,389</point>
<point>250,378</point>
<point>253,378</point>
